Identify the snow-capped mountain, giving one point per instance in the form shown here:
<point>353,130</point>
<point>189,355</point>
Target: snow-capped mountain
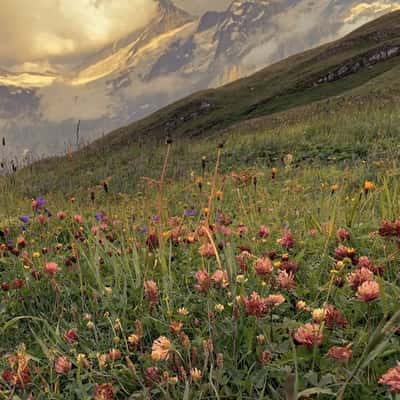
<point>174,55</point>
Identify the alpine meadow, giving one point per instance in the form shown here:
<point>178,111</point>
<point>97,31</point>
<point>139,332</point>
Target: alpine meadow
<point>236,235</point>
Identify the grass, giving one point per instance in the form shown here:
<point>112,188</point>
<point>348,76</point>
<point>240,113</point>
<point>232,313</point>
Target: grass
<point>99,291</point>
<point>157,271</point>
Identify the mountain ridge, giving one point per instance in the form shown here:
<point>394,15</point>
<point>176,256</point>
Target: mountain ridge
<point>172,57</point>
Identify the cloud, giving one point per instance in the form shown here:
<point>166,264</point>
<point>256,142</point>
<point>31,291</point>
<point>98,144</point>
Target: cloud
<point>42,29</point>
<point>201,6</point>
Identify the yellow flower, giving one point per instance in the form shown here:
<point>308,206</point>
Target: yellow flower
<point>190,238</point>
<point>318,314</point>
<point>182,311</point>
<point>368,185</point>
<point>133,340</point>
<point>301,305</point>
<point>166,234</point>
<point>36,254</point>
<point>161,348</point>
<point>196,374</point>
<point>219,307</point>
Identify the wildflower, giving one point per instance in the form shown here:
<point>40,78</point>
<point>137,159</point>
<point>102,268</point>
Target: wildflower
<point>288,266</point>
<point>190,212</point>
<point>286,280</point>
<point>62,365</point>
<point>175,327</point>
<point>334,318</point>
<point>342,234</point>
<point>24,219</point>
<point>343,252</point>
<point>152,241</point>
<point>51,268</point>
<point>368,186</point>
<point>287,240</point>
<point>392,379</point>
<point>219,195</point>
<point>99,216</point>
<point>261,340</point>
<point>275,300</point>
<point>359,276</point>
<point>334,188</point>
<point>196,374</point>
<point>308,335</point>
<point>274,171</point>
<point>151,291</point>
<point>114,354</point>
<point>301,305</point>
<point>313,232</point>
<point>318,314</point>
<point>134,340</point>
<point>265,357</point>
<point>219,308</point>
<point>263,232</point>
<point>102,360</point>
<point>242,230</point>
<point>161,349</point>
<point>220,278</point>
<point>203,281</point>
<point>104,392</point>
<point>340,353</point>
<point>388,229</point>
<point>255,305</point>
<point>71,336</point>
<point>21,243</point>
<point>368,291</point>
<point>182,311</point>
<point>61,215</point>
<point>207,250</point>
<point>17,283</point>
<point>78,219</point>
<point>263,266</point>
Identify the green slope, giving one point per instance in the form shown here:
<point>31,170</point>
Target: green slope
<point>282,108</point>
<point>282,86</point>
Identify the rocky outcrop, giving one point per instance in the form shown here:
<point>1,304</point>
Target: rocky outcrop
<point>355,65</point>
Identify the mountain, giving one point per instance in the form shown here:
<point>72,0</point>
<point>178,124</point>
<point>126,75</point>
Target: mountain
<point>174,55</point>
<point>319,103</point>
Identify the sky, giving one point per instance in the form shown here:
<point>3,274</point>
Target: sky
<point>40,30</point>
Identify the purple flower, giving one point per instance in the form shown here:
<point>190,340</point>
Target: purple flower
<point>190,212</point>
<point>24,218</point>
<point>40,201</point>
<point>156,218</point>
<point>99,216</point>
<point>143,230</point>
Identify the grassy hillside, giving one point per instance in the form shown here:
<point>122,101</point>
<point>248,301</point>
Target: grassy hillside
<point>283,108</point>
<point>263,264</point>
